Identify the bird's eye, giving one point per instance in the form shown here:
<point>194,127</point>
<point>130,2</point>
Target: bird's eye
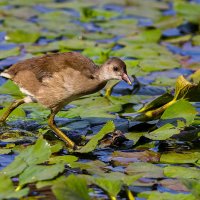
<point>115,68</point>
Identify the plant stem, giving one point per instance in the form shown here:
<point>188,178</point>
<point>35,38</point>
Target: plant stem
<point>129,194</point>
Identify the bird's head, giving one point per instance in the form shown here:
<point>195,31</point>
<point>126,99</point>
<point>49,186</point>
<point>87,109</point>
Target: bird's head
<point>115,68</point>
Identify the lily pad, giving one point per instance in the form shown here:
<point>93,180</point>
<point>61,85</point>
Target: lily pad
<point>112,187</point>
<point>7,189</point>
<point>39,173</point>
<point>8,53</point>
<point>36,154</point>
<point>21,36</point>
<point>73,187</point>
<point>180,172</point>
<point>165,196</point>
<point>185,157</point>
<point>91,145</point>
<point>146,169</point>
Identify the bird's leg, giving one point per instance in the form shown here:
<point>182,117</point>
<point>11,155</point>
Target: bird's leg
<point>58,132</point>
<point>12,107</point>
<point>109,88</point>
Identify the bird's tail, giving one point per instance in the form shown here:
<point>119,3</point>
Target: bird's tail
<point>5,74</point>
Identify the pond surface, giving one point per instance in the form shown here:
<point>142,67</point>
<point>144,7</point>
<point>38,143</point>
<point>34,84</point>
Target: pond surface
<point>148,147</point>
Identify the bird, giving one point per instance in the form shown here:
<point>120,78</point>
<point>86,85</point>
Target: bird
<point>56,79</point>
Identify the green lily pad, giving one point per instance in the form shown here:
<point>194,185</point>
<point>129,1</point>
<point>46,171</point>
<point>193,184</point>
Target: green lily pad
<point>177,116</point>
<point>158,63</point>
<point>189,11</point>
<point>21,36</point>
<point>158,102</point>
<point>182,172</point>
<point>180,110</point>
<point>195,76</point>
<point>95,167</point>
<point>165,196</point>
<point>35,154</point>
<point>39,173</point>
<point>8,53</point>
<point>185,157</point>
<point>67,159</point>
<point>145,36</point>
<point>196,40</point>
<point>163,133</point>
<point>5,151</point>
<point>193,186</point>
<point>7,189</point>
<point>72,187</point>
<point>146,169</point>
<point>128,157</point>
<point>112,187</point>
<point>91,145</point>
<point>91,14</point>
<point>18,112</point>
<point>186,90</point>
<point>11,88</point>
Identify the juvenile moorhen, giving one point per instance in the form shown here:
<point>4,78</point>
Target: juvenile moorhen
<point>55,80</point>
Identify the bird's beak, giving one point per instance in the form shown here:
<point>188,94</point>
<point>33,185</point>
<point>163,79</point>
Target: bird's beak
<point>126,78</point>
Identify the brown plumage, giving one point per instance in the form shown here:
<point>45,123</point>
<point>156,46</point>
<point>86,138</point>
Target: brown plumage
<point>54,80</point>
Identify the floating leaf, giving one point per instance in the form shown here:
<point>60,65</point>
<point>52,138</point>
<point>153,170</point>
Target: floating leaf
<point>190,11</point>
<point>36,154</point>
<point>173,184</point>
<point>195,76</point>
<point>163,133</point>
<point>181,172</point>
<point>193,186</point>
<point>8,53</point>
<point>67,159</point>
<point>91,14</point>
<point>92,167</point>
<point>5,151</point>
<point>185,157</point>
<point>21,36</point>
<point>7,190</point>
<point>179,111</point>
<point>91,145</point>
<point>158,102</point>
<point>146,169</point>
<point>158,63</point>
<point>127,157</point>
<point>72,187</point>
<point>11,88</point>
<point>112,187</point>
<point>39,173</point>
<point>18,112</point>
<point>165,196</point>
<point>186,90</point>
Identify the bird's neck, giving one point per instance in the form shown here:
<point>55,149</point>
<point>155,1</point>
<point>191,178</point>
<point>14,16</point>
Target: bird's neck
<point>101,74</point>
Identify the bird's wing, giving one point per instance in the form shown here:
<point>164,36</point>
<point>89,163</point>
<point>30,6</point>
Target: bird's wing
<point>45,66</point>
